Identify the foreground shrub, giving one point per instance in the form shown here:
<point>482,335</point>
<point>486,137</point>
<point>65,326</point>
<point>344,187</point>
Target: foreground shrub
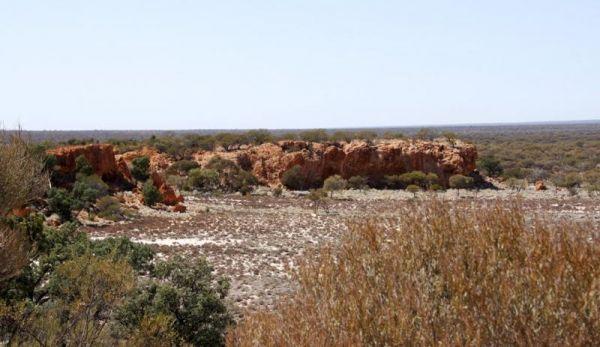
<point>293,178</point>
<point>87,189</point>
<point>443,274</point>
<point>60,201</point>
<point>357,182</point>
<point>109,208</point>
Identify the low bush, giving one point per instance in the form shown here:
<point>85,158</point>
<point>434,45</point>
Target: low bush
<point>294,179</point>
<point>203,179</point>
<point>109,208</point>
<point>334,183</point>
<point>182,167</point>
<point>151,194</point>
<point>87,189</point>
<point>442,274</point>
<point>61,202</point>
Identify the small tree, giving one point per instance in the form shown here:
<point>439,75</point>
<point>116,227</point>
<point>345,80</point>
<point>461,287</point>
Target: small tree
<point>140,169</point>
<point>414,189</point>
<point>431,179</point>
<point>316,196</point>
<point>151,194</point>
<point>203,179</point>
<point>334,183</point>
<point>459,182</point>
<point>293,178</point>
<point>491,166</point>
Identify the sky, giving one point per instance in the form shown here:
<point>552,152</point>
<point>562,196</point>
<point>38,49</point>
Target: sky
<point>81,65</point>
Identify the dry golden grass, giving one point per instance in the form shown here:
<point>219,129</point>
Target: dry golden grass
<point>443,275</point>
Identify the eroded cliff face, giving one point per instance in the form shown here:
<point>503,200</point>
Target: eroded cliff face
<point>374,160</point>
<point>100,156</point>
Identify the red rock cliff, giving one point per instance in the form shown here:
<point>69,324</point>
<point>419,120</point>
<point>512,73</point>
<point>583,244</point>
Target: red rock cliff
<point>100,156</point>
<point>373,160</point>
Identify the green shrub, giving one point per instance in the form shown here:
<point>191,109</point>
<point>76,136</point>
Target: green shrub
<point>61,202</point>
<point>516,184</point>
<point>182,167</point>
<point>87,189</point>
<point>414,189</point>
<point>459,182</point>
<point>82,166</point>
<point>188,293</point>
<point>417,178</point>
<point>140,169</point>
<point>490,166</point>
<point>109,208</point>
<point>277,191</point>
<point>151,194</point>
<point>203,179</point>
<point>334,183</point>
<point>293,178</point>
<point>568,180</point>
<point>436,187</point>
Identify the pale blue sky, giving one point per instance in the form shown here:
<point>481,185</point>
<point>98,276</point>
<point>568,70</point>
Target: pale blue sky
<point>292,64</point>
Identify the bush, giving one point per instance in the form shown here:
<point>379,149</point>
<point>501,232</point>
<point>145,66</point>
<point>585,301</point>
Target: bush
<point>357,182</point>
<point>293,178</point>
<point>109,208</point>
<point>442,274</point>
<point>82,166</point>
<point>416,178</point>
<point>414,189</point>
<point>459,182</point>
<point>569,180</point>
<point>203,179</point>
<point>334,183</point>
<point>182,167</point>
<point>61,202</point>
<point>516,184</point>
<point>277,191</point>
<point>140,169</point>
<point>490,166</point>
<point>151,194</point>
<point>87,189</point>
<point>189,295</point>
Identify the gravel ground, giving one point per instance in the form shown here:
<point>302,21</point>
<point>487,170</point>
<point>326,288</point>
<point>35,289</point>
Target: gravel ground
<point>256,240</point>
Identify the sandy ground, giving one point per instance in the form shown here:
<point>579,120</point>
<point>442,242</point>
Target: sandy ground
<point>256,240</point>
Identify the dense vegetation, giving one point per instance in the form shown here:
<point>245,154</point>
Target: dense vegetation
<point>442,275</point>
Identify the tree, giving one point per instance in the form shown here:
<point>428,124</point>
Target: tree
<point>316,196</point>
<point>151,194</point>
<point>140,169</point>
<point>491,166</point>
<point>431,179</point>
<point>334,183</point>
<point>293,178</point>
<point>459,182</point>
<point>414,189</point>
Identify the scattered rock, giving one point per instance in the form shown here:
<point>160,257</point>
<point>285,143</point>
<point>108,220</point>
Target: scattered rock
<point>539,185</point>
<point>179,208</point>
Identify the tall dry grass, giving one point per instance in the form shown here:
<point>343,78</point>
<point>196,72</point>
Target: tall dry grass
<point>443,275</point>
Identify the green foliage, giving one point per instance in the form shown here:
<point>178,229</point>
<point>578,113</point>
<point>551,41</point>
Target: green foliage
<point>231,177</point>
<point>109,208</point>
<point>294,179</point>
<point>277,191</point>
<point>334,183</point>
<point>490,166</point>
<point>189,295</point>
<point>516,184</point>
<point>516,172</point>
<point>568,180</point>
<point>259,136</point>
<point>61,202</point>
<point>357,182</point>
<point>414,189</point>
<point>87,189</point>
<point>459,182</point>
<point>316,135</point>
<point>182,167</point>
<point>203,179</point>
<point>151,194</point>
<point>140,169</point>
<point>417,178</point>
<point>82,166</point>
<point>317,196</point>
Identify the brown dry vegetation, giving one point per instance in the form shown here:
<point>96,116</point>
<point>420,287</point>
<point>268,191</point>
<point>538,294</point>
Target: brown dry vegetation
<point>442,274</point>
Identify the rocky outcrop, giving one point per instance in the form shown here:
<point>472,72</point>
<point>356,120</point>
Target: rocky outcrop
<point>169,197</point>
<point>374,160</point>
<point>100,156</point>
<point>158,161</point>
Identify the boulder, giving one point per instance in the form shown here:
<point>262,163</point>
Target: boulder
<point>179,208</point>
<point>539,185</point>
<point>358,158</point>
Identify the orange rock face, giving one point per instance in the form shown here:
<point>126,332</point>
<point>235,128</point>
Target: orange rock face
<point>358,158</point>
<point>100,156</point>
<point>168,193</point>
<point>158,161</point>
